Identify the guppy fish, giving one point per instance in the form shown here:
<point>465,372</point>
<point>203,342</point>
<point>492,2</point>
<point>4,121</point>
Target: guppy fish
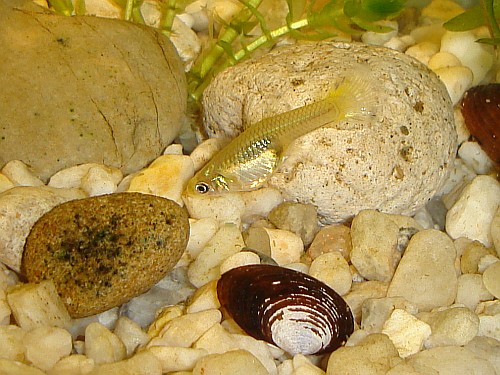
<point>249,159</point>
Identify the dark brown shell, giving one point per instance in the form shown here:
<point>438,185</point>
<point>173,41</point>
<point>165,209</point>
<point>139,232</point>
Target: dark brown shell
<point>481,111</point>
<point>287,308</point>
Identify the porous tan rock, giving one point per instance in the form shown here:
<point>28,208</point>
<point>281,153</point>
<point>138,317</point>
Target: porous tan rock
<point>93,93</point>
<point>426,274</point>
<point>104,250</point>
<point>20,208</point>
<point>394,162</point>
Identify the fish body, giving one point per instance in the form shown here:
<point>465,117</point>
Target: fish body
<point>249,159</point>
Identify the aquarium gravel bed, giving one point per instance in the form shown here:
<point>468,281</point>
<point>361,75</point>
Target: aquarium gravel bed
<point>261,281</point>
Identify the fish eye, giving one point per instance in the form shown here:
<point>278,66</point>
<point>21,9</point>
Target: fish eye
<point>202,187</point>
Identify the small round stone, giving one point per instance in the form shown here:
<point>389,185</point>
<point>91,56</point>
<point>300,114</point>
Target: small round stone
<point>104,250</point>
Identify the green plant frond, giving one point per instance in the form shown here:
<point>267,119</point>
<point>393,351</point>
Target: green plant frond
<point>470,19</point>
<point>491,41</point>
<point>296,9</point>
<point>373,10</point>
<point>64,7</point>
<point>258,16</point>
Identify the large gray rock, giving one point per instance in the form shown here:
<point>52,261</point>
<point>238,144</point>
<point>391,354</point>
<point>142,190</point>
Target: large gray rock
<point>394,162</point>
<point>84,89</point>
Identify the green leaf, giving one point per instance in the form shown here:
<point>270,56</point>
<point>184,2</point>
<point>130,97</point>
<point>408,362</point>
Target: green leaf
<point>64,7</point>
<point>470,19</point>
<point>492,41</point>
<point>373,10</point>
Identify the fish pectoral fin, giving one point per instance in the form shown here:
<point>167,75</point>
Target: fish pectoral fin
<point>255,172</point>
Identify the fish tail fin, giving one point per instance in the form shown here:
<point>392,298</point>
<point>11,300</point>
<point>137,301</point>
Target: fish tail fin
<point>355,96</point>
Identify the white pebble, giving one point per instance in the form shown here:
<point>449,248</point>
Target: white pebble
<point>225,208</point>
<point>47,345</point>
<point>475,158</point>
<point>243,258</point>
<point>485,262</point>
<point>491,279</point>
<point>283,246</point>
<point>205,151</point>
<point>204,298</point>
<point>489,325</point>
<point>478,57</point>
<point>378,39</point>
<point>165,177</point>
<point>173,149</point>
<point>472,214</point>
<point>423,51</point>
<point>74,364</point>
<point>375,311</point>
<point>457,80</point>
<point>102,345</point>
<point>131,334</point>
<point>200,232</point>
<point>471,291</point>
<point>235,362</point>
<point>443,60</point>
<point>20,174</point>
<point>184,330</point>
<point>453,326</point>
<point>206,267</point>
<point>186,42</point>
<point>374,245</point>
<point>495,231</point>
<point>11,342</point>
<point>332,269</point>
<point>177,358</point>
<point>406,332</point>
<point>97,181</point>
<point>427,265</point>
<point>259,203</point>
<point>72,177</point>
<point>5,183</point>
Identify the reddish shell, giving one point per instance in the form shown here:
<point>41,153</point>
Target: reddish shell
<point>287,308</point>
<point>481,111</point>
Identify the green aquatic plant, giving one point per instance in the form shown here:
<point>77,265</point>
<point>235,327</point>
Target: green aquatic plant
<point>306,19</point>
<point>486,13</point>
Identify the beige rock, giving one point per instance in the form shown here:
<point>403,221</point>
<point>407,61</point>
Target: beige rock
<point>204,298</point>
<point>77,364</point>
<point>20,208</point>
<point>333,237</point>
<point>390,164</point>
<point>471,290</point>
<point>489,325</point>
<point>236,362</point>
<point>372,356</point>
<point>457,80</point>
<point>17,368</point>
<point>451,360</point>
<point>454,326</point>
<point>375,311</point>
<point>206,267</point>
<point>88,120</point>
<point>301,219</point>
<point>477,57</point>
<point>5,183</point>
<point>495,231</point>
<point>164,177</point>
<point>47,345</point>
<point>20,174</point>
<point>361,291</point>
<point>283,246</point>
<point>443,60</point>
<point>131,334</point>
<point>486,348</point>
<point>102,345</point>
<point>333,270</point>
<point>406,332</point>
<point>374,245</point>
<point>425,268</point>
<point>72,177</point>
<point>243,258</point>
<point>174,358</point>
<point>472,254</point>
<point>491,279</point>
<point>472,214</point>
<point>12,342</point>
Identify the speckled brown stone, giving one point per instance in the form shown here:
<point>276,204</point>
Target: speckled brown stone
<point>102,251</point>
